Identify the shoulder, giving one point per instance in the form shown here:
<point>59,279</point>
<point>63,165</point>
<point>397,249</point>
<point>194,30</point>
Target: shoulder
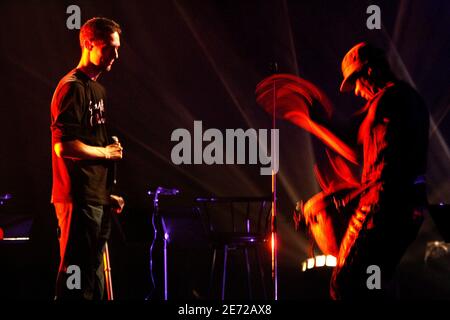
<point>69,89</point>
<point>392,93</point>
<point>399,100</point>
<point>71,82</point>
<point>401,92</point>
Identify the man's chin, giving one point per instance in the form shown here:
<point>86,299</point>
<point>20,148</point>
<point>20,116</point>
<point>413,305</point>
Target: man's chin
<point>106,67</point>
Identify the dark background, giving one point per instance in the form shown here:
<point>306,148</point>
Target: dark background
<point>182,61</point>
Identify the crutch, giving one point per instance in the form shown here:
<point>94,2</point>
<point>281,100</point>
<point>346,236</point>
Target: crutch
<point>107,272</point>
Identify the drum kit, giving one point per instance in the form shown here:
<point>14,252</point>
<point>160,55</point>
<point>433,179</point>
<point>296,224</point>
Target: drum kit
<point>325,217</point>
<point>326,214</point>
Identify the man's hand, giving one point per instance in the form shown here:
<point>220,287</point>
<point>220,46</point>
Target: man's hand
<point>114,151</point>
<point>117,203</point>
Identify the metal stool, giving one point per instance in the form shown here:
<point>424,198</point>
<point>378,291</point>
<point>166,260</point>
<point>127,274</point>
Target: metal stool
<point>243,223</point>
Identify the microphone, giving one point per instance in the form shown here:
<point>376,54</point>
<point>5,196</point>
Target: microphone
<point>164,191</point>
<point>115,139</point>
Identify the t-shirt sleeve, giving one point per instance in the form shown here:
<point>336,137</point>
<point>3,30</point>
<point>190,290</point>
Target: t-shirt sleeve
<point>67,111</point>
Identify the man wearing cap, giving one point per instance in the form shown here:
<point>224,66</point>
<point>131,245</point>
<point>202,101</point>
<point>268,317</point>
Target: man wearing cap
<point>394,137</point>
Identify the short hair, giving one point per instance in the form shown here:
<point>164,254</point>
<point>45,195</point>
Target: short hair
<point>98,28</point>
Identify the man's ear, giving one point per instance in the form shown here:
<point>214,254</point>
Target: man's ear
<point>88,44</point>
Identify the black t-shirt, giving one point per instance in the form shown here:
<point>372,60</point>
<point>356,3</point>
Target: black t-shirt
<point>395,140</point>
<point>78,113</point>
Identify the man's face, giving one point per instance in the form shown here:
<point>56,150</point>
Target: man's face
<point>104,52</point>
<point>363,89</point>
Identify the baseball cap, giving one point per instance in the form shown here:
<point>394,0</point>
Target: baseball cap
<point>354,62</point>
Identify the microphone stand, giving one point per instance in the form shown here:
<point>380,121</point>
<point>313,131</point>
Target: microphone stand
<point>106,261</point>
<point>160,191</point>
<point>274,240</point>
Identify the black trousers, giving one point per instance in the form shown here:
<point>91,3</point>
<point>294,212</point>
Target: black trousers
<point>383,246</point>
<point>84,230</point>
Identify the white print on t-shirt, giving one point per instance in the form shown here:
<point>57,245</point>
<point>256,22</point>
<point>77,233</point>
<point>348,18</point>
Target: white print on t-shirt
<point>97,111</point>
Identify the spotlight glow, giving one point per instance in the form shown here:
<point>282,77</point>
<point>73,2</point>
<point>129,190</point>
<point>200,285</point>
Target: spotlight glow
<point>319,261</point>
<point>310,262</point>
<point>331,261</point>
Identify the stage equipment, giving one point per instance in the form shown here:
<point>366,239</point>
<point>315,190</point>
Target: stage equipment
<point>160,191</point>
<point>236,223</point>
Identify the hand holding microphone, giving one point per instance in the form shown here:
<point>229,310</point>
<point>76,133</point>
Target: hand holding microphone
<point>114,151</point>
<point>116,144</point>
<point>117,202</point>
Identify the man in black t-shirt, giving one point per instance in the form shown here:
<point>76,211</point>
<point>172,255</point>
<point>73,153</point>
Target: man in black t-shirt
<point>82,159</point>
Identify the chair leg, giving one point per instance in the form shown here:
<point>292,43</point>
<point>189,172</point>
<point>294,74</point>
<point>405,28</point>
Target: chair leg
<point>248,273</point>
<point>261,272</point>
<point>225,254</point>
<point>211,276</point>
